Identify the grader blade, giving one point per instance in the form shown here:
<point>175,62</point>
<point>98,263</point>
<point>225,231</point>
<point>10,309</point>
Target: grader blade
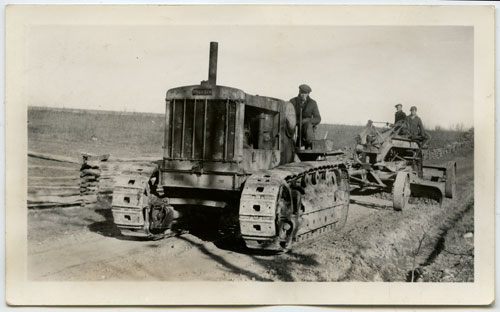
<point>427,189</point>
<point>444,174</point>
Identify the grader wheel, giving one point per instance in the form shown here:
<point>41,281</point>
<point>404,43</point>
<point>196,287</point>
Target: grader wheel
<point>401,191</point>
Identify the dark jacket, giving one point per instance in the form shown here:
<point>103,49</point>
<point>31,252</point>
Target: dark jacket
<point>400,115</point>
<point>309,110</point>
<point>415,126</point>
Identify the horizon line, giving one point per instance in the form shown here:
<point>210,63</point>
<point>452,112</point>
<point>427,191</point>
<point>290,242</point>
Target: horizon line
<point>123,112</point>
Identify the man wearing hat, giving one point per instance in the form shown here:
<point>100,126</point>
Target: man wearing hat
<point>307,110</point>
<point>416,129</point>
<point>399,115</point>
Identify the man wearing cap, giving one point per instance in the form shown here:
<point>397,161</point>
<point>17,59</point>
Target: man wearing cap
<point>416,129</point>
<point>399,115</point>
<point>416,132</point>
<point>307,110</point>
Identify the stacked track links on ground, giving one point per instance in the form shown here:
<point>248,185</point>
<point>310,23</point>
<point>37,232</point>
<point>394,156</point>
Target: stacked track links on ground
<point>131,193</point>
<point>90,175</point>
<point>318,202</point>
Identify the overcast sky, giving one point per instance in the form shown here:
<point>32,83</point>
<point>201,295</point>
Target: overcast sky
<point>356,72</point>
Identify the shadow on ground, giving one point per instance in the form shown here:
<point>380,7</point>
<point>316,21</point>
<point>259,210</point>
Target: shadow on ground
<point>367,204</point>
<point>276,266</point>
<point>105,227</point>
<point>368,191</point>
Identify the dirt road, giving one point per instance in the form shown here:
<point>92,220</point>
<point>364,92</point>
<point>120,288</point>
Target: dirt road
<point>377,244</point>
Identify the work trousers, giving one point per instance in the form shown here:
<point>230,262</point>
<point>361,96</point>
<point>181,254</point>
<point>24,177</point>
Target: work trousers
<point>308,134</point>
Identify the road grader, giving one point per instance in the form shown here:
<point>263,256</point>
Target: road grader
<point>226,150</point>
<point>385,158</point>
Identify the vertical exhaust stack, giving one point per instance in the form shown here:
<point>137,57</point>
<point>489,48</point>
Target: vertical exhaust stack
<point>212,66</point>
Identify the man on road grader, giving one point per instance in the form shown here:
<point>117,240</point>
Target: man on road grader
<point>416,131</point>
<point>307,112</point>
<point>399,115</point>
<point>400,126</point>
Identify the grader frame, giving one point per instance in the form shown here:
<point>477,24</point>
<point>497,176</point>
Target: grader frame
<point>385,159</point>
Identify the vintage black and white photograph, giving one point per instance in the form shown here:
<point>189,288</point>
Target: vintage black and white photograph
<point>256,153</point>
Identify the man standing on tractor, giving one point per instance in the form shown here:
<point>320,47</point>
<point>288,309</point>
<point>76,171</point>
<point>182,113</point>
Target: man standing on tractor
<point>308,116</point>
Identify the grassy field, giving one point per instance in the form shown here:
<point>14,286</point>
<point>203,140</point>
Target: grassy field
<point>70,132</point>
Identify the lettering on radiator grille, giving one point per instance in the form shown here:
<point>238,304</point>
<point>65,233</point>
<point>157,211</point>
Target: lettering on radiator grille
<point>202,91</point>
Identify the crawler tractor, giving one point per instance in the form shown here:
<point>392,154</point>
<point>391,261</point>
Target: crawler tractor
<point>225,149</point>
<point>385,158</point>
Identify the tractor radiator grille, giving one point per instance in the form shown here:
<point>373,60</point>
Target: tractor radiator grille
<point>200,129</point>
